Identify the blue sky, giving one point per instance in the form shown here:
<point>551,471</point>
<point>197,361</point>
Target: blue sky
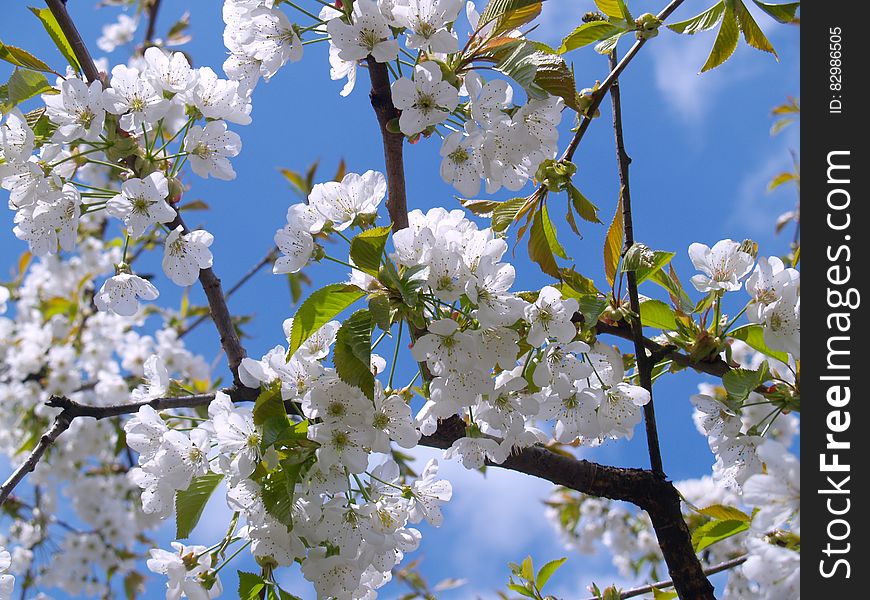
<point>702,157</point>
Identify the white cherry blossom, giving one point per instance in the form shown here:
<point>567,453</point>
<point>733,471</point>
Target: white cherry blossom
<point>185,254</point>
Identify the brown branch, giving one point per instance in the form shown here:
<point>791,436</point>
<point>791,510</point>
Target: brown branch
<point>269,258</point>
<point>80,49</point>
<point>644,364</point>
<point>661,585</point>
<point>382,101</point>
<point>615,71</point>
<point>61,424</point>
<point>153,8</point>
<point>220,312</point>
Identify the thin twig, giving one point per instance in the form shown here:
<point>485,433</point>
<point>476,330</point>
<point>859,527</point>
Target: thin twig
<point>80,49</point>
<point>599,94</point>
<point>61,424</point>
<point>153,8</point>
<point>644,365</point>
<point>269,258</point>
<point>661,585</point>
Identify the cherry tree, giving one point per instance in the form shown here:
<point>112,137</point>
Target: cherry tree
<point>310,438</point>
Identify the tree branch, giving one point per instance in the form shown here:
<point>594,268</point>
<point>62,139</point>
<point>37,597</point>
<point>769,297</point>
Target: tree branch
<point>153,8</point>
<point>61,424</point>
<point>615,71</point>
<point>661,585</point>
<point>80,49</point>
<point>644,365</point>
<point>382,101</point>
<point>269,258</point>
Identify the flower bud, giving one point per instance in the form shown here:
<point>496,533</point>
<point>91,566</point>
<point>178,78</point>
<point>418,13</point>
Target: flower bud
<point>749,247</point>
<point>647,26</point>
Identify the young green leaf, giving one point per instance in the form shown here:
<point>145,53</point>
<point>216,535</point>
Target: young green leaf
<point>587,33</point>
<point>655,313</point>
<point>190,503</point>
<point>24,85</point>
<point>751,31</point>
<point>506,213</point>
<point>724,513</point>
<point>547,571</point>
<point>611,8</point>
<point>320,308</point>
<point>584,208</point>
<point>663,595</point>
<point>702,22</point>
<point>739,383</point>
<point>57,36</point>
<point>352,352</point>
<point>269,404</point>
<point>715,531</point>
<point>753,335</point>
<point>22,58</point>
<point>613,244</point>
<point>783,13</point>
<point>543,244</point>
<point>726,40</point>
<point>250,586</point>
<point>367,248</point>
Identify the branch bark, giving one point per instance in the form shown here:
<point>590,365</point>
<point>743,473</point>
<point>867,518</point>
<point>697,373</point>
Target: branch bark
<point>80,49</point>
<point>644,366</point>
<point>382,101</point>
<point>153,9</point>
<point>615,71</point>
<point>661,585</point>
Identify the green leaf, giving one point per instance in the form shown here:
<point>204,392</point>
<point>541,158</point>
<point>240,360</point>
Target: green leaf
<point>506,213</point>
<point>580,284</point>
<point>190,503</point>
<point>273,428</point>
<point>783,13</point>
<point>725,513</point>
<point>752,33</point>
<point>250,586</point>
<point>678,295</point>
<point>269,404</point>
<point>613,244</point>
<point>660,595</point>
<point>611,593</point>
<point>702,22</point>
<point>547,571</point>
<point>715,531</point>
<point>608,45</point>
<point>521,590</point>
<point>753,335</point>
<point>24,85</point>
<point>367,248</point>
<point>780,179</point>
<point>739,383</point>
<point>379,307</point>
<point>587,33</point>
<point>554,76</point>
<point>527,569</point>
<point>22,58</point>
<point>543,244</point>
<point>134,584</point>
<point>655,313</point>
<point>509,14</point>
<point>320,308</point>
<point>611,8</point>
<point>352,353</point>
<point>592,306</point>
<point>659,260</point>
<point>57,36</point>
<point>539,71</point>
<point>584,208</point>
<point>278,491</point>
<point>726,40</point>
